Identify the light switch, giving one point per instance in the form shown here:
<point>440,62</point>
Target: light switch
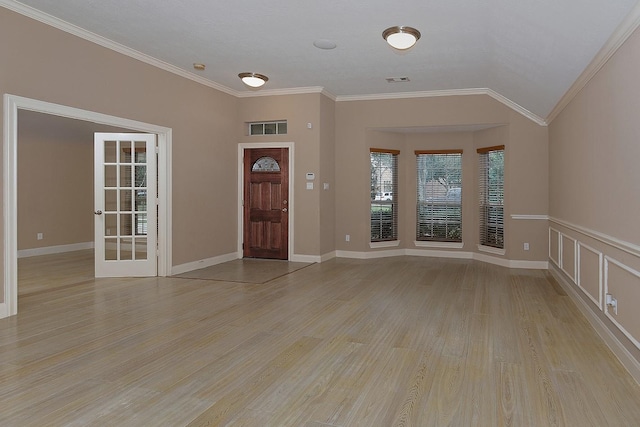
<point>309,185</point>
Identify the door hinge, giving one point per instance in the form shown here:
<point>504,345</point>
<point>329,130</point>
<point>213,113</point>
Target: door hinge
<point>157,150</point>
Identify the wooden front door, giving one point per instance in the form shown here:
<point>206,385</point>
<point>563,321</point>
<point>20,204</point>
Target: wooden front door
<point>266,198</point>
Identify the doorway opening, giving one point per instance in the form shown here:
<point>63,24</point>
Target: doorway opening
<point>13,104</point>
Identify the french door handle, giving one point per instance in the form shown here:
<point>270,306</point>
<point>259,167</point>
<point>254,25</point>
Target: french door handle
<point>98,212</point>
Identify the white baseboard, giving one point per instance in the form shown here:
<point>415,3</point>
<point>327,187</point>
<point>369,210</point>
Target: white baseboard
<point>309,258</point>
<point>538,265</point>
<point>439,253</point>
<point>535,265</point>
<point>512,263</point>
<point>305,258</point>
<point>370,255</point>
<point>630,363</point>
<point>327,257</point>
<point>203,263</point>
<point>48,250</point>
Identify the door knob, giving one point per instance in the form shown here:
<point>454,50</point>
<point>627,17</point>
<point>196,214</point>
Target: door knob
<point>98,212</point>
<point>284,209</point>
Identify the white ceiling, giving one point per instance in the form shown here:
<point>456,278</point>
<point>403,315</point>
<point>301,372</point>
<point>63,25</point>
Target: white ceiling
<point>530,52</point>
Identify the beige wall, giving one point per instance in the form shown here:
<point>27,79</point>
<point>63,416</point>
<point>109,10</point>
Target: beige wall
<point>55,187</point>
<point>594,192</point>
<point>361,125</point>
<point>327,176</point>
<point>47,64</point>
<point>582,171</point>
<point>55,180</point>
<point>298,110</point>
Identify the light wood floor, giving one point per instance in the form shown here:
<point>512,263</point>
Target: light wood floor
<point>400,341</point>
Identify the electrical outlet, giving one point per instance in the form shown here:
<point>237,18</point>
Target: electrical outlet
<point>612,303</point>
<point>40,236</point>
<point>347,237</point>
<point>526,246</point>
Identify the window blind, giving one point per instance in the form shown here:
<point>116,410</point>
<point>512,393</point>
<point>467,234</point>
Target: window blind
<point>384,194</point>
<point>491,196</point>
<point>439,196</point>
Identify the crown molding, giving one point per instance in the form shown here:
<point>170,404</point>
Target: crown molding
<point>276,92</point>
<point>405,95</point>
<point>617,39</point>
<point>52,21</point>
<point>67,27</point>
<point>329,95</point>
<point>516,107</point>
<point>449,92</point>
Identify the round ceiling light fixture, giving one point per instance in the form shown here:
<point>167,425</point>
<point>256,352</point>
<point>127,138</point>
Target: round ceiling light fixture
<point>401,38</point>
<point>253,79</point>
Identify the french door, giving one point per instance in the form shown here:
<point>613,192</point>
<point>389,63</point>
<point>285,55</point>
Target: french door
<point>125,204</point>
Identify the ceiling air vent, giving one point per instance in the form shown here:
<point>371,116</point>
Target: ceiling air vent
<point>397,79</point>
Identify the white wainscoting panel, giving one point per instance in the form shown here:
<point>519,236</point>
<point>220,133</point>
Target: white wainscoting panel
<point>623,283</point>
<point>554,246</point>
<point>589,273</point>
<point>600,264</point>
<point>568,256</point>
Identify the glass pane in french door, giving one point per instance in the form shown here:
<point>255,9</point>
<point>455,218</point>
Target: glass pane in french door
<point>125,200</point>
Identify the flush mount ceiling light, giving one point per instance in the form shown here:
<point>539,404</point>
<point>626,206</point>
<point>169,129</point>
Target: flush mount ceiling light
<point>401,38</point>
<point>253,79</point>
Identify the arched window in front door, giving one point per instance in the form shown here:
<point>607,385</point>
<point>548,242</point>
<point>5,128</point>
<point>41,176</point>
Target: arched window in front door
<point>265,164</point>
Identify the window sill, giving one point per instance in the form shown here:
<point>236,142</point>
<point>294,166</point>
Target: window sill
<point>430,244</point>
<point>385,244</point>
<point>491,250</point>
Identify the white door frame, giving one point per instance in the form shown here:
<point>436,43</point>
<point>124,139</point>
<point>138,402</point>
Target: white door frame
<point>248,145</point>
<point>13,103</point>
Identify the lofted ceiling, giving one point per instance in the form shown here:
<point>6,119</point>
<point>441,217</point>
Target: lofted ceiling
<point>529,52</point>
